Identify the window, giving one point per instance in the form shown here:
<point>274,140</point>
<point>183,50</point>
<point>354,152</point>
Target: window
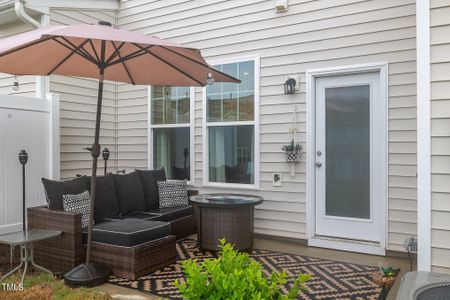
<point>231,126</point>
<point>170,131</point>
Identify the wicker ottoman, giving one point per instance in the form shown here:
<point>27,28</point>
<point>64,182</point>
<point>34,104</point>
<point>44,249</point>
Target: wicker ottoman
<point>131,247</point>
<point>137,261</point>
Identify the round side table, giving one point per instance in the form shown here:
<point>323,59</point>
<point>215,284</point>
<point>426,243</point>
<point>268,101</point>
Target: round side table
<point>228,216</point>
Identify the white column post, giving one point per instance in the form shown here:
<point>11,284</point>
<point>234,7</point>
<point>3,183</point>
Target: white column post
<point>423,136</point>
<point>54,136</point>
<point>43,82</point>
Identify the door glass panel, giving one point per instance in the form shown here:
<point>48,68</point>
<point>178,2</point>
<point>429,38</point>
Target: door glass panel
<point>347,113</point>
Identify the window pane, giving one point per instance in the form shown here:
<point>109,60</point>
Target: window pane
<point>229,102</point>
<point>246,90</point>
<point>170,105</point>
<point>157,112</point>
<point>231,154</point>
<point>230,107</point>
<point>171,149</point>
<point>348,151</point>
<point>214,108</point>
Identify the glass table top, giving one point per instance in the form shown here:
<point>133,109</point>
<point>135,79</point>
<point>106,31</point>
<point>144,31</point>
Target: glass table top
<point>226,199</point>
<point>28,236</point>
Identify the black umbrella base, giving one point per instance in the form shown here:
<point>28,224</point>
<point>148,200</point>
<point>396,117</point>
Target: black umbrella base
<point>87,275</point>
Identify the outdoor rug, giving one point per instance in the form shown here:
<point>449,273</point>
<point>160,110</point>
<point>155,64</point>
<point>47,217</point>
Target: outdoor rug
<point>331,279</point>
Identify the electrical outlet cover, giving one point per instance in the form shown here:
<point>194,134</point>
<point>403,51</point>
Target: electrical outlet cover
<point>276,179</point>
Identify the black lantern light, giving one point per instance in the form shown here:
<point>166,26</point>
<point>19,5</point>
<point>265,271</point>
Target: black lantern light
<point>289,86</point>
<point>105,155</point>
<point>23,159</point>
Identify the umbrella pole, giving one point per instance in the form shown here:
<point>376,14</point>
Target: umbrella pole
<point>95,152</point>
<point>92,274</point>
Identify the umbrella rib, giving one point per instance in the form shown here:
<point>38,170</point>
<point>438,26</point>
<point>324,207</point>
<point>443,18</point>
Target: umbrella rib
<point>115,53</point>
<point>26,46</point>
<point>197,62</point>
<point>123,63</point>
<point>171,65</point>
<point>77,52</point>
<point>81,50</point>
<point>66,58</point>
<point>93,48</point>
<point>132,55</point>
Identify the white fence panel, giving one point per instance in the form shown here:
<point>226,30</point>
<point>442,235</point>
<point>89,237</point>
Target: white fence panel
<point>25,124</point>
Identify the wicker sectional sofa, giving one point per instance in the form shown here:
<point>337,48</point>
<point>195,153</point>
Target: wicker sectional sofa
<point>131,245</point>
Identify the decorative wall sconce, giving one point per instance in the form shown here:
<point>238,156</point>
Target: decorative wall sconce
<point>289,86</point>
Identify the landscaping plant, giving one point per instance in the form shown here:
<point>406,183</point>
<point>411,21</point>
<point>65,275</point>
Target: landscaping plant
<point>234,275</point>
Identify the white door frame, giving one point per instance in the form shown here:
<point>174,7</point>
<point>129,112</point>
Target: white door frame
<point>311,75</point>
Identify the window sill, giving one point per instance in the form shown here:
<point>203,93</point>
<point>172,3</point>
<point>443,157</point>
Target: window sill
<point>234,186</point>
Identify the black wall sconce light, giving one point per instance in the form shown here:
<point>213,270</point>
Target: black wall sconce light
<point>105,155</point>
<point>290,86</point>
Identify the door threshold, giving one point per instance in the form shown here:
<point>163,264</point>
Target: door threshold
<point>347,245</point>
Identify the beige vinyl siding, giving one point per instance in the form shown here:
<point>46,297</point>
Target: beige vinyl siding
<point>78,106</point>
<point>440,136</point>
<point>312,34</point>
<point>132,127</point>
<point>27,83</point>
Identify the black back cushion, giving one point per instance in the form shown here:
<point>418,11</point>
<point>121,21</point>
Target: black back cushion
<point>129,193</point>
<point>106,203</point>
<point>149,182</point>
<point>181,173</point>
<point>54,190</point>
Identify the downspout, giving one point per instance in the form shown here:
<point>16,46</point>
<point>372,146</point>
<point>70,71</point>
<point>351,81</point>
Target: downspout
<point>19,8</point>
<point>42,82</point>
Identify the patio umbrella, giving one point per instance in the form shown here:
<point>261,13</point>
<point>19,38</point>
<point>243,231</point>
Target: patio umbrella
<point>105,53</point>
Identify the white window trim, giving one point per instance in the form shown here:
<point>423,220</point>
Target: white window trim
<point>311,75</point>
<point>191,126</point>
<point>255,122</point>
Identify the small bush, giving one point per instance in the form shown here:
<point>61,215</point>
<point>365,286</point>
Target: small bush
<point>234,275</point>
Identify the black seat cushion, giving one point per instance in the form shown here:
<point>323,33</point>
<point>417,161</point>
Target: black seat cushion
<point>141,215</point>
<point>106,203</point>
<point>130,193</point>
<point>54,190</point>
<point>129,232</point>
<point>172,213</point>
<point>149,182</point>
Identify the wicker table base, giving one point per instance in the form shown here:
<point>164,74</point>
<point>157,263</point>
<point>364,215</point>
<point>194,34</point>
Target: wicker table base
<point>233,224</point>
<point>225,216</point>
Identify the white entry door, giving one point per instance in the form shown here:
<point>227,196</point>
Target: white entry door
<point>349,158</point>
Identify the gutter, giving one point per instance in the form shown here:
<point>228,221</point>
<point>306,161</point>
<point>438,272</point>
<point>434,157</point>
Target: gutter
<point>42,83</point>
<point>19,8</point>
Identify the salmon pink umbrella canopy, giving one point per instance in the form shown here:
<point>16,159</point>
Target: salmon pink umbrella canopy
<point>103,52</point>
<point>130,57</point>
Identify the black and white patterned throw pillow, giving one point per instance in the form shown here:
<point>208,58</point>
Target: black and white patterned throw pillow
<point>78,204</point>
<point>172,193</point>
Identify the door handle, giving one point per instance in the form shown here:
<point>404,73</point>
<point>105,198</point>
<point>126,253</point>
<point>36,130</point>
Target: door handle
<point>318,164</point>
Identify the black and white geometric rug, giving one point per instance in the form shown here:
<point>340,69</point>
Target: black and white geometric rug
<point>331,280</point>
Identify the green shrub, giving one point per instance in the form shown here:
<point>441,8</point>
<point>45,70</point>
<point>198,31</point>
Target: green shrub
<point>234,275</point>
